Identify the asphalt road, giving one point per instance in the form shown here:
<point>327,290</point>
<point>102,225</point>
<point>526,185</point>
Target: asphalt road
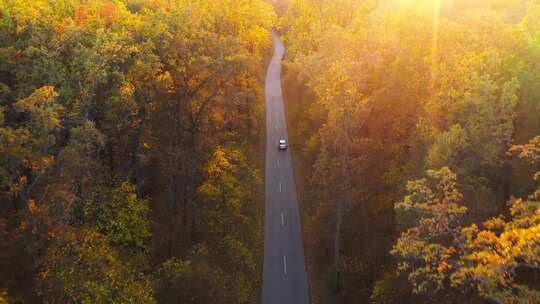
<point>284,272</point>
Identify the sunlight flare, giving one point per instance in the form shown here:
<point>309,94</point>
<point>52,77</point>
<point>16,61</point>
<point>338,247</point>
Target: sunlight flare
<point>435,42</point>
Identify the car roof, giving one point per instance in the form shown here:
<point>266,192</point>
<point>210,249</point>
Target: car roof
<point>282,140</point>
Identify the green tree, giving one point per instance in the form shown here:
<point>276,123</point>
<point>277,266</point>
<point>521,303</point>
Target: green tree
<point>435,206</point>
<point>26,147</point>
<point>79,267</point>
<point>175,282</point>
<point>122,218</point>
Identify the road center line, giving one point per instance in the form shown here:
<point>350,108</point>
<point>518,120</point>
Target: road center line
<point>282,221</point>
<point>279,186</point>
<point>284,265</point>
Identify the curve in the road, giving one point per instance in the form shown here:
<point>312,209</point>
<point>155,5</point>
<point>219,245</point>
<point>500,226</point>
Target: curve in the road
<point>284,271</point>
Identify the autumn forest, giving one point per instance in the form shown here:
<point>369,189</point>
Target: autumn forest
<point>133,137</point>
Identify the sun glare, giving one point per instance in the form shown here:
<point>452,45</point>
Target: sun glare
<point>435,42</point>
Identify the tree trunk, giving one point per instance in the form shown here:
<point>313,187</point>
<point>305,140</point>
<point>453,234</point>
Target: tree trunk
<point>344,151</point>
<point>135,149</point>
<point>337,245</point>
<point>192,188</point>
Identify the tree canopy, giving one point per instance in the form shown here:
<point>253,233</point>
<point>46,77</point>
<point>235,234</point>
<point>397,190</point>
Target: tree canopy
<point>404,112</point>
<point>127,138</point>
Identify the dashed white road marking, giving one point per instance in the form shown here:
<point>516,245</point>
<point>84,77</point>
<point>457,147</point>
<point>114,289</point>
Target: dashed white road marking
<point>279,186</point>
<point>282,220</point>
<point>284,265</point>
<point>278,162</point>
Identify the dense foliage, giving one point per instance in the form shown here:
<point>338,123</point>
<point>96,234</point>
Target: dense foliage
<point>378,93</point>
<point>131,135</point>
<point>127,138</point>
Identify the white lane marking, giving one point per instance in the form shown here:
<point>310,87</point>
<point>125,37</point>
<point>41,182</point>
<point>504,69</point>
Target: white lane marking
<point>280,186</point>
<point>284,265</point>
<point>278,162</point>
<point>282,221</point>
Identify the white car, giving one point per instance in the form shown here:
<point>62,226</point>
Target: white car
<point>283,144</point>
